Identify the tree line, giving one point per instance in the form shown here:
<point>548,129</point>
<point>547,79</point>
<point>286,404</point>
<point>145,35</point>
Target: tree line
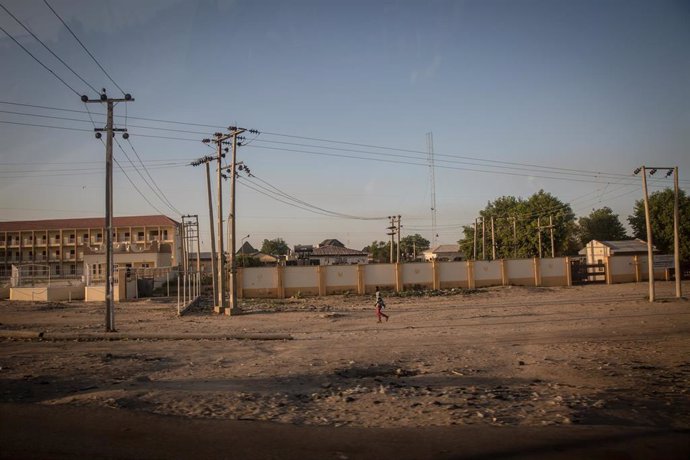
<point>519,225</point>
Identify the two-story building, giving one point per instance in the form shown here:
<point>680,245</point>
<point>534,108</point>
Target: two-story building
<point>59,246</point>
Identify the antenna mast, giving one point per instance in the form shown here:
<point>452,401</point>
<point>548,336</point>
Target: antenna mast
<point>432,180</point>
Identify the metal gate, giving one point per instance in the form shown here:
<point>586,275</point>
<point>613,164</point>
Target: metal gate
<point>582,273</point>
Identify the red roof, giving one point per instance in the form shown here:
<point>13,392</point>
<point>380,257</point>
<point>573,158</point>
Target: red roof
<point>87,222</point>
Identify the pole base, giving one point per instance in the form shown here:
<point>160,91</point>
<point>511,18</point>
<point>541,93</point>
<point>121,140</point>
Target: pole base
<point>218,310</point>
<point>232,311</point>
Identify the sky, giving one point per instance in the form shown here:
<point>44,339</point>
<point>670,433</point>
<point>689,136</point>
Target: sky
<point>565,96</point>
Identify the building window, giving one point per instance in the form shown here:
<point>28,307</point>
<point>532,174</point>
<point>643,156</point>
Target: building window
<point>126,235</point>
<point>72,269</point>
<point>57,269</point>
<point>99,237</point>
<point>140,236</point>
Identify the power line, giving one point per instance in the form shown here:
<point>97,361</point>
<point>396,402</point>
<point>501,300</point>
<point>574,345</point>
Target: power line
<point>165,198</point>
<point>453,159</point>
<point>84,47</point>
<point>46,47</point>
<point>42,64</point>
<point>304,203</point>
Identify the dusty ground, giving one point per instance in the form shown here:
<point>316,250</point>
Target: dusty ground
<point>519,357</point>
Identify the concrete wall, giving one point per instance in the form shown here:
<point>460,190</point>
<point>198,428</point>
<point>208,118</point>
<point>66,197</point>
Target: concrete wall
<point>487,273</point>
<point>453,275</point>
<point>520,272</point>
<point>303,280</point>
<point>382,275</point>
<point>417,275</point>
<point>260,282</point>
<point>279,282</point>
<point>340,278</point>
<point>554,271</point>
<point>622,269</point>
<point>47,293</point>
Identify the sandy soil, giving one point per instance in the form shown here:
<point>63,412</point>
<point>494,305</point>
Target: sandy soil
<point>519,357</point>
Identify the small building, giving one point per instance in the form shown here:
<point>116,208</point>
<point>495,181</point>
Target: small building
<point>597,251</point>
<point>336,255</point>
<point>444,253</point>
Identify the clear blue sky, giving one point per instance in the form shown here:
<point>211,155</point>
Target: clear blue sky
<point>580,85</point>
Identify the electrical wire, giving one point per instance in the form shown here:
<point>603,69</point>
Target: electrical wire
<point>422,158</point>
<point>275,190</point>
<point>83,46</point>
<point>165,198</point>
<point>47,48</point>
<point>42,64</point>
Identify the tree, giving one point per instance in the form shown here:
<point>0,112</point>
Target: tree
<point>602,225</point>
<point>379,250</point>
<point>516,231</point>
<point>412,245</point>
<point>275,247</point>
<point>661,216</point>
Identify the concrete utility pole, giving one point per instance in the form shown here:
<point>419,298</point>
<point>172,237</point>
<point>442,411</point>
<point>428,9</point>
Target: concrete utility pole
<point>515,237</point>
<point>493,240</point>
<point>553,247</point>
<point>214,272</point>
<point>676,229</point>
<point>483,238</point>
<point>474,253</point>
<point>391,233</point>
<point>398,257</point>
<point>233,309</point>
<point>220,139</point>
<point>539,234</point>
<point>109,129</point>
<point>676,234</point>
<point>650,246</point>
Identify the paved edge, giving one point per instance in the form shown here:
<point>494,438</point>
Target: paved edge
<point>112,336</point>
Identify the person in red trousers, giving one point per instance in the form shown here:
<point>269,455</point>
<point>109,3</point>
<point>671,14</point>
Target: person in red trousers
<point>380,305</point>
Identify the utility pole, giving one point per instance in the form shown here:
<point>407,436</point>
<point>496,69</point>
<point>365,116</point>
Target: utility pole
<point>676,234</point>
<point>650,247</point>
<point>676,230</point>
<point>109,129</point>
<point>539,234</point>
<point>233,309</point>
<point>515,237</point>
<point>493,239</point>
<point>398,258</point>
<point>391,233</point>
<point>214,273</point>
<point>220,139</point>
<point>483,238</point>
<point>553,251</point>
<point>475,240</point>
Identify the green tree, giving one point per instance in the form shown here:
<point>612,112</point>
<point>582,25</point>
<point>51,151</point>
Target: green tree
<point>661,217</point>
<point>412,245</point>
<point>516,222</point>
<point>380,251</point>
<point>275,247</point>
<point>601,225</point>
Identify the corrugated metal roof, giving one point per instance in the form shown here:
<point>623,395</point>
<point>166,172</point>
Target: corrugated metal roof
<point>86,222</point>
<point>622,246</point>
<point>336,251</point>
<point>446,248</point>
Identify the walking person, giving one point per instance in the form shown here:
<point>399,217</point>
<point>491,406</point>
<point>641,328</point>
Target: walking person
<point>380,305</point>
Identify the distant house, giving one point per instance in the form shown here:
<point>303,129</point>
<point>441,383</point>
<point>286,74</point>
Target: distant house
<point>597,251</point>
<point>337,255</point>
<point>331,242</point>
<point>444,252</point>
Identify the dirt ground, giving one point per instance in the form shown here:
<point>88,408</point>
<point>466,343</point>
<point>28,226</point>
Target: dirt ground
<point>514,357</point>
